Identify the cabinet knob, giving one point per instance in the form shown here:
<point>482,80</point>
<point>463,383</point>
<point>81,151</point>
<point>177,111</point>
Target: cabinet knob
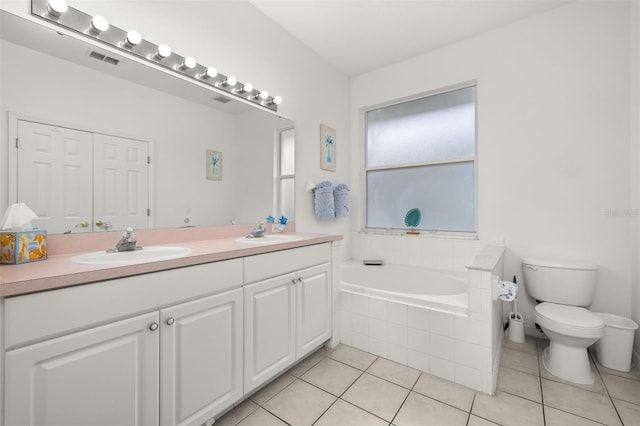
<point>153,326</point>
<point>170,321</point>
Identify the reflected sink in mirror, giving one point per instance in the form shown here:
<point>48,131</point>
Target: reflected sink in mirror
<point>270,239</point>
<point>147,254</point>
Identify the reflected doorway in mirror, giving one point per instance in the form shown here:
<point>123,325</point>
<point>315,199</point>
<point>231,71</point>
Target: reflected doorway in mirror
<point>214,165</point>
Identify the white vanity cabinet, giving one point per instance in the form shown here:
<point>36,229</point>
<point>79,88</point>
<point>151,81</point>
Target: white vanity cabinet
<point>287,309</point>
<point>165,363</point>
<point>200,358</point>
<point>106,375</point>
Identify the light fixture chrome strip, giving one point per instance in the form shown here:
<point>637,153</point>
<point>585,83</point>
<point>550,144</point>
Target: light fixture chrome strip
<point>130,42</point>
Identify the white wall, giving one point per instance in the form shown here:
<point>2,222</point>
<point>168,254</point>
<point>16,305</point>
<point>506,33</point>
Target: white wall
<point>238,39</point>
<point>635,169</point>
<point>256,135</point>
<point>553,136</point>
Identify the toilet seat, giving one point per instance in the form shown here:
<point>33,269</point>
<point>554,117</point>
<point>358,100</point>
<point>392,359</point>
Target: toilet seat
<point>569,320</point>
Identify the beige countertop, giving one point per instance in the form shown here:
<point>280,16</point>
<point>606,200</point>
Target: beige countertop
<point>58,271</point>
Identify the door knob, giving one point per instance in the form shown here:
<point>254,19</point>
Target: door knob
<point>104,225</point>
<point>83,224</point>
<point>154,326</point>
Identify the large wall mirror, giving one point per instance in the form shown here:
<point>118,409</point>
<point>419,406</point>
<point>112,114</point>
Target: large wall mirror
<point>62,82</point>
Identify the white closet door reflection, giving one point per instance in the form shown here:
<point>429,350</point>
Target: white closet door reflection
<point>55,176</point>
<point>121,182</point>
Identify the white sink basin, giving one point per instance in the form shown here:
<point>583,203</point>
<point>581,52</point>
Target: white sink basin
<point>270,239</point>
<point>147,254</point>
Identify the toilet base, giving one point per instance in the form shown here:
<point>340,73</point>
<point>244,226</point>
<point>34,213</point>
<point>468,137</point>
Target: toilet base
<point>568,363</point>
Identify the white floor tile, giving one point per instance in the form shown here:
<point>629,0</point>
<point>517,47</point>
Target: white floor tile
<point>332,376</point>
<point>344,414</point>
<point>421,410</point>
<point>445,391</point>
<point>394,372</point>
<point>376,396</point>
<point>300,403</point>
<point>507,409</point>
<point>579,402</point>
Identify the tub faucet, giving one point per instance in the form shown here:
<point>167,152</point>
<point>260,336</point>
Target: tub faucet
<point>258,231</point>
<point>128,242</point>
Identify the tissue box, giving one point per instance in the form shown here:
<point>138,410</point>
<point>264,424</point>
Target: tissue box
<point>18,247</point>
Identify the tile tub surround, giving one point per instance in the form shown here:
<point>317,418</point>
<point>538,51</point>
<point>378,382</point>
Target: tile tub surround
<point>464,349</point>
<point>524,397</point>
<point>207,244</point>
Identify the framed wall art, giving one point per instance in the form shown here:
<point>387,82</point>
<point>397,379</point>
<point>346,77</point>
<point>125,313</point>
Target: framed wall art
<point>214,165</point>
<point>327,148</point>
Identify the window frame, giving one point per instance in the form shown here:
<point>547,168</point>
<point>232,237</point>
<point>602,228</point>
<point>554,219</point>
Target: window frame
<point>279,178</point>
<point>424,232</point>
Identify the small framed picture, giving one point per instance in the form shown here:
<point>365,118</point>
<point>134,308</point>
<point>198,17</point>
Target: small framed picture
<point>327,148</point>
<point>214,165</point>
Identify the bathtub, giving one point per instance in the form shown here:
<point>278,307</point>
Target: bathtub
<point>444,291</point>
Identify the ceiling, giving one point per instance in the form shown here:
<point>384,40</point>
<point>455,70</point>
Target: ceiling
<point>357,36</point>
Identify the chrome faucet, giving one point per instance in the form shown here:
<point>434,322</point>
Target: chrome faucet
<point>258,231</point>
<point>128,242</point>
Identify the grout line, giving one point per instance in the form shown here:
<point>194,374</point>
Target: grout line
<point>400,408</point>
<point>274,415</point>
<point>473,400</point>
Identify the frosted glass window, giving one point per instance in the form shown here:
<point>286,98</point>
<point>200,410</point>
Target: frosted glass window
<point>434,128</point>
<point>284,186</point>
<point>444,193</point>
<point>287,153</point>
<point>421,153</point>
<point>287,197</point>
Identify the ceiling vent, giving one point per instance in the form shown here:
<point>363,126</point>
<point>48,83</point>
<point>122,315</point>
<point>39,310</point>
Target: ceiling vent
<point>103,58</point>
<point>222,99</point>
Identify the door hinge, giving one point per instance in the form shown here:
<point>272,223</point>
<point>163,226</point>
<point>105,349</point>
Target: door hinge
<point>17,143</point>
<point>148,159</point>
<point>148,212</point>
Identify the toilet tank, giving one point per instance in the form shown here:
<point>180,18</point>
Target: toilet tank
<point>569,282</point>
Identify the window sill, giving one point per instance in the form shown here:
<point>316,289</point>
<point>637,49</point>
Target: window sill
<point>423,234</point>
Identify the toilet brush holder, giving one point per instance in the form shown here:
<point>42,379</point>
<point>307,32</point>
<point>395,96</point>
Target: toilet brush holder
<point>516,328</point>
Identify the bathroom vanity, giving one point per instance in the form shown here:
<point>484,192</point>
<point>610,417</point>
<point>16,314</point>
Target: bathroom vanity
<point>173,346</point>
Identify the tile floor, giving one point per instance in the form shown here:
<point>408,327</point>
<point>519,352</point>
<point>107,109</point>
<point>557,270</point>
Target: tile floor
<point>346,386</point>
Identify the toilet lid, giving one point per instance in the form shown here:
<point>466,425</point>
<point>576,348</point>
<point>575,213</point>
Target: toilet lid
<point>573,316</point>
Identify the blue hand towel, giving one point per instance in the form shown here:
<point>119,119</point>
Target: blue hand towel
<point>323,202</point>
<point>341,200</point>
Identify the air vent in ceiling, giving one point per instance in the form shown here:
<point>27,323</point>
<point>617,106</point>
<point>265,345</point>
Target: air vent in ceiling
<point>222,99</point>
<point>104,58</point>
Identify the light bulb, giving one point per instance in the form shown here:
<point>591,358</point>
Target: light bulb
<point>188,63</point>
<point>209,73</point>
<point>163,52</point>
<point>133,38</point>
<point>230,81</point>
<point>248,87</point>
<point>264,95</point>
<point>99,24</point>
<point>277,100</point>
<point>56,8</point>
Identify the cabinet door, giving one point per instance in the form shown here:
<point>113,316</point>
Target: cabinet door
<point>201,358</point>
<point>269,329</point>
<point>107,375</point>
<point>313,292</point>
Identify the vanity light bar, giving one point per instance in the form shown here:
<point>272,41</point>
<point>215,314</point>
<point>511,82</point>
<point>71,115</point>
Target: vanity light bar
<point>130,42</point>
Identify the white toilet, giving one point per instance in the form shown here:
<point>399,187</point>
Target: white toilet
<point>563,287</point>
